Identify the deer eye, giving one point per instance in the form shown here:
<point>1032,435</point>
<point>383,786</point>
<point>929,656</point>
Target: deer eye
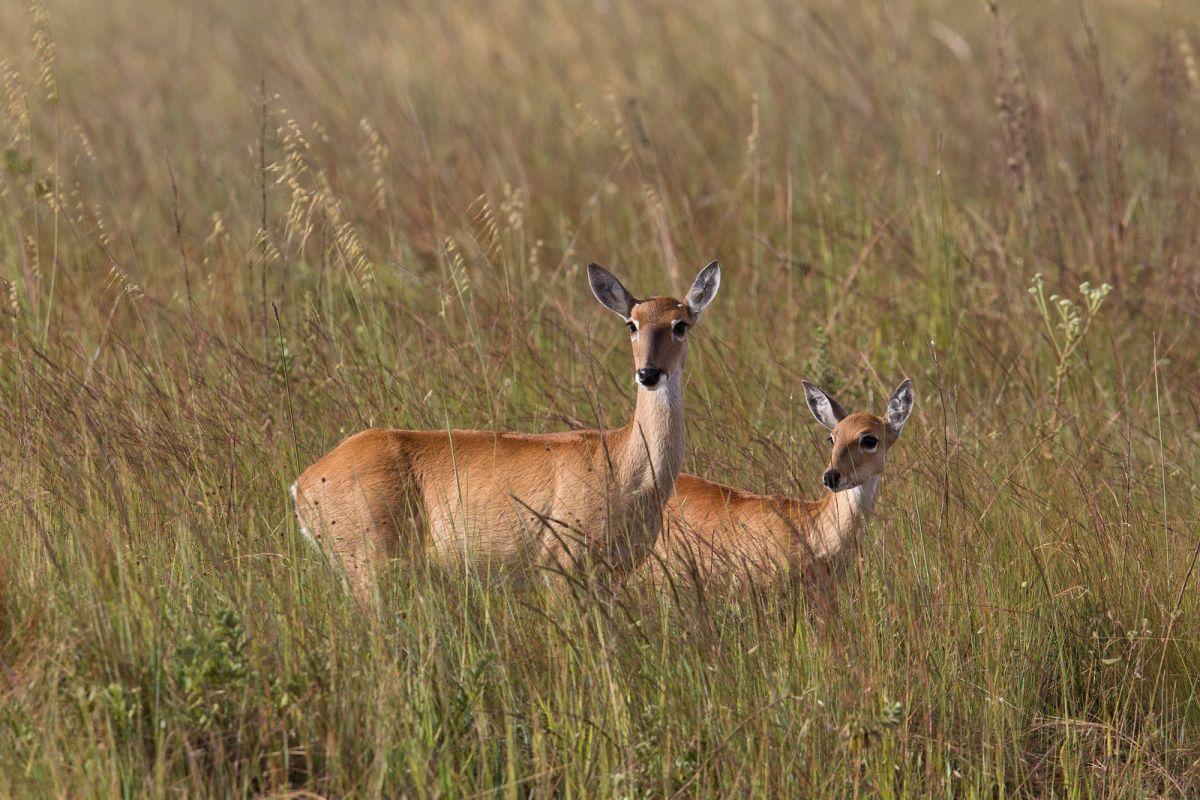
<point>830,438</point>
<point>868,442</point>
<point>679,328</point>
<point>632,327</point>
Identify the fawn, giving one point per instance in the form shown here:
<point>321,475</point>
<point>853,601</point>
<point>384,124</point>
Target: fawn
<point>718,534</point>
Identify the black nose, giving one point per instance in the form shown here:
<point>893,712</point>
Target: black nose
<point>648,376</point>
<point>831,478</point>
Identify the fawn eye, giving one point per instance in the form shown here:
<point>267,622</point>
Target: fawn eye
<point>830,438</point>
<point>679,328</point>
<point>868,442</point>
<point>632,327</point>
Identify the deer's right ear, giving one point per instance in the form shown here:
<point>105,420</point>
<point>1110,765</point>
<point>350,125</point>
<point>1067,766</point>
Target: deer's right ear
<point>827,410</point>
<point>609,291</point>
<point>704,288</point>
<point>900,406</point>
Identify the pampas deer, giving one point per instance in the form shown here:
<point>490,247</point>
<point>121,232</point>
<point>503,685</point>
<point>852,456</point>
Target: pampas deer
<point>722,535</point>
<point>497,501</point>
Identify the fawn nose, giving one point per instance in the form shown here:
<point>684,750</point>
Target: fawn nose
<point>649,376</point>
<point>831,478</point>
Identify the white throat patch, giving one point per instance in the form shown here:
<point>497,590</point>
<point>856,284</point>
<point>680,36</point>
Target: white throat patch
<point>668,391</point>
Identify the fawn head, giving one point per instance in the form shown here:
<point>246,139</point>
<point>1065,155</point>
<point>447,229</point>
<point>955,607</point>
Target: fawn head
<point>658,326</point>
<point>860,441</point>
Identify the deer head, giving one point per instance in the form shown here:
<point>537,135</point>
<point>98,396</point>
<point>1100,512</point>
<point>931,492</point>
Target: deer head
<point>658,326</point>
<point>860,441</point>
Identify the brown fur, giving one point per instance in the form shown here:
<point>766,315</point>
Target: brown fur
<point>510,500</point>
<point>719,535</point>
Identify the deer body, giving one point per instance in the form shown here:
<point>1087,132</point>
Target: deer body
<point>496,499</point>
<point>505,501</point>
<point>717,534</point>
<point>714,532</point>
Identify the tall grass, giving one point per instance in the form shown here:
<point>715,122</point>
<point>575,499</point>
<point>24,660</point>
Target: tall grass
<point>231,234</point>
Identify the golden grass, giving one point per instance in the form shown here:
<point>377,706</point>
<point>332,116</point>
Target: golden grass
<point>232,233</point>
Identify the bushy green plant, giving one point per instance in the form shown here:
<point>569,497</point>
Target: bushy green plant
<point>1067,323</point>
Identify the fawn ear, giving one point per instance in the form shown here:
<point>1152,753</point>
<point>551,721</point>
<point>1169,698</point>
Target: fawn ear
<point>609,291</point>
<point>827,410</point>
<point>704,288</point>
<point>900,406</point>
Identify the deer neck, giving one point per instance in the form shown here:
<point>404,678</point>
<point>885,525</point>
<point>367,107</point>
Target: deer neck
<point>841,517</point>
<point>653,449</point>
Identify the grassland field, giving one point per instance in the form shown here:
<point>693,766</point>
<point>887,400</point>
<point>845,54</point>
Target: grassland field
<point>233,233</point>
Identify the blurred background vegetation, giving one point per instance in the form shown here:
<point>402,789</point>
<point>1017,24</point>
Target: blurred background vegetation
<point>232,233</point>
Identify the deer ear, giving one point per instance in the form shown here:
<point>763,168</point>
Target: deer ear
<point>900,406</point>
<point>827,410</point>
<point>704,288</point>
<point>609,291</point>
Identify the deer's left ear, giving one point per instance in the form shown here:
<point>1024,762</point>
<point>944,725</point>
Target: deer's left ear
<point>900,406</point>
<point>704,288</point>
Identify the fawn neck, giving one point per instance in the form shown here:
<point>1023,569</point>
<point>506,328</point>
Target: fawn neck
<point>840,517</point>
<point>652,453</point>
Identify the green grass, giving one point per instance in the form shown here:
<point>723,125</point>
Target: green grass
<point>881,182</point>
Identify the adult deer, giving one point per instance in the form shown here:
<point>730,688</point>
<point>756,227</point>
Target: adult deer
<point>721,535</point>
<point>496,501</point>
